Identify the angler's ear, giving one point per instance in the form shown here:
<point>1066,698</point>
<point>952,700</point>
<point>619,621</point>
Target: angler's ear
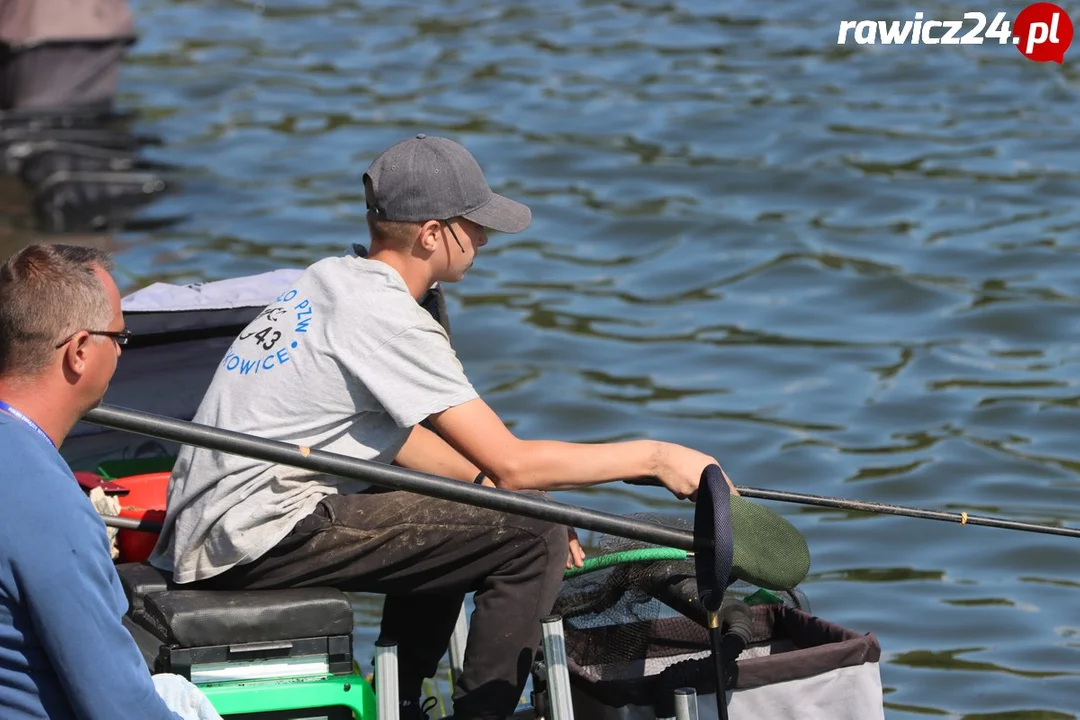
<point>76,353</point>
<point>430,236</point>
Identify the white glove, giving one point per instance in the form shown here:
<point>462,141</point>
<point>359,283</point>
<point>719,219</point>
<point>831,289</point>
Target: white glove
<point>184,698</point>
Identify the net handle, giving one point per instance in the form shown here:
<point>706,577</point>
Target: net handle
<point>626,556</point>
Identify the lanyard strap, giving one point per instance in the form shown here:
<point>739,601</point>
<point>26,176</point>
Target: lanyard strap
<point>18,415</point>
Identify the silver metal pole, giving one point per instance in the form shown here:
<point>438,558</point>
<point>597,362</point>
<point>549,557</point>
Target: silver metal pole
<point>686,704</point>
<point>457,646</point>
<point>387,704</point>
<point>558,675</point>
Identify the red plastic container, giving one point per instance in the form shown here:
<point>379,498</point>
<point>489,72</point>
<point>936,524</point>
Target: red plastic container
<point>145,501</point>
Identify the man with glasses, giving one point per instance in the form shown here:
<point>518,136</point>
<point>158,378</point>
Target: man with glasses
<point>64,652</point>
<point>347,361</point>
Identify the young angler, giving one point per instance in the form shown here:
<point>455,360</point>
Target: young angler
<point>347,361</point>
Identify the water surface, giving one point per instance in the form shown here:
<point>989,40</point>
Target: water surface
<point>846,271</point>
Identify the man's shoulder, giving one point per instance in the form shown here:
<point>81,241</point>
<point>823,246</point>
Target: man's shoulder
<point>345,284</point>
<point>35,484</point>
<point>23,451</point>
<point>369,295</point>
<point>345,268</point>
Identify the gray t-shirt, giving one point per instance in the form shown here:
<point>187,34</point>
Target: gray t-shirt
<point>347,362</point>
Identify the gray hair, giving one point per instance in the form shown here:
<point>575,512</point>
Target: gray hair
<point>47,293</point>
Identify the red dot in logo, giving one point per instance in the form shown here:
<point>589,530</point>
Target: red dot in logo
<point>1043,32</point>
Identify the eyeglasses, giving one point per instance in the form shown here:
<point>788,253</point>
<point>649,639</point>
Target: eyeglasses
<point>451,229</point>
<point>120,336</point>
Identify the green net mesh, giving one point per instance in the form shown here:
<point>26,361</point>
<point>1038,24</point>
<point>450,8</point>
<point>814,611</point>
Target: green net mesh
<point>769,551</point>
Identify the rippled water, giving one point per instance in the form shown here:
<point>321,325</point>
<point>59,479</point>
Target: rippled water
<point>844,271</point>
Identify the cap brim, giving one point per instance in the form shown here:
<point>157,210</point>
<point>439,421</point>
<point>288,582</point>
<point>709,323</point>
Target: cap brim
<point>501,214</point>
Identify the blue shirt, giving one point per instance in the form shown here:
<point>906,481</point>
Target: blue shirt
<point>64,652</point>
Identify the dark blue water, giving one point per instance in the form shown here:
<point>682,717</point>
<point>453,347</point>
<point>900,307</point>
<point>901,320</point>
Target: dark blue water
<point>843,271</point>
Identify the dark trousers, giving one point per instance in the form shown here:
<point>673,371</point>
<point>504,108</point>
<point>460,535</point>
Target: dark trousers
<point>425,554</point>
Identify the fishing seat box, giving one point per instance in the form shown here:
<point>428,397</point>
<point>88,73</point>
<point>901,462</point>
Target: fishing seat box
<point>218,635</point>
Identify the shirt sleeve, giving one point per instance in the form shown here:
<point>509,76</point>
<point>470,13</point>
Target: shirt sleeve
<point>415,374</point>
<point>71,591</point>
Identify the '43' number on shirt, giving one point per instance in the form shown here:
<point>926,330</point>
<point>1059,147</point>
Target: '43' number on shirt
<point>267,337</point>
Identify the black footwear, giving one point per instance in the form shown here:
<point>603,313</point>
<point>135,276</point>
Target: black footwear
<point>413,710</point>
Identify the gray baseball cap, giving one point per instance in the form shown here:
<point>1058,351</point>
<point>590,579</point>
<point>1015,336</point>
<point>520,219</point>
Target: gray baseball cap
<point>432,178</point>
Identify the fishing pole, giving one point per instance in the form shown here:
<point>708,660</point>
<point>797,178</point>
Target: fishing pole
<point>962,517</point>
<point>189,433</point>
<point>384,475</point>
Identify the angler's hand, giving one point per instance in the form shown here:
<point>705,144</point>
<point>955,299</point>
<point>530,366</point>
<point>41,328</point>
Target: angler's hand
<point>731,485</point>
<point>679,468</point>
<point>576,557</point>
